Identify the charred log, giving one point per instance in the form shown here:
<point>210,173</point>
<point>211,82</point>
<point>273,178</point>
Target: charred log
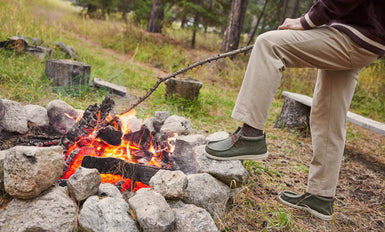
<point>92,120</point>
<point>109,165</point>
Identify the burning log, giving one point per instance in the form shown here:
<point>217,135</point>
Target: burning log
<point>111,147</point>
<point>91,121</point>
<point>110,165</point>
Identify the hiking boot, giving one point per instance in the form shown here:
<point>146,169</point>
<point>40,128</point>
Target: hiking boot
<point>321,207</point>
<point>238,147</point>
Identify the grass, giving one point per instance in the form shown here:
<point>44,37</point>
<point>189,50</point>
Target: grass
<point>127,55</point>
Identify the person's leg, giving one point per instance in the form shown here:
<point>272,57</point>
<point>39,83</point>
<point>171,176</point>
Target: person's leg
<point>332,96</point>
<point>324,48</point>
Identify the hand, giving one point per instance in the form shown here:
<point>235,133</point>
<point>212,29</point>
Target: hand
<point>292,24</point>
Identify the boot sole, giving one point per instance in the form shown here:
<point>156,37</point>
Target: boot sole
<point>240,157</point>
<point>308,209</point>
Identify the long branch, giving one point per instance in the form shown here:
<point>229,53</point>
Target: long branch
<point>172,75</point>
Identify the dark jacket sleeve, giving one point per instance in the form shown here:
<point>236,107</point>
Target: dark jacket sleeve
<point>323,11</point>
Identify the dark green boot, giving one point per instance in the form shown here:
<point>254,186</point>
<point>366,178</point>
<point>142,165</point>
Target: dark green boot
<point>238,147</point>
<point>321,207</point>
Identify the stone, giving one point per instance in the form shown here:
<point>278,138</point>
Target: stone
<point>2,109</point>
<point>159,118</point>
<point>152,211</point>
<point>84,183</point>
<point>53,210</point>
<point>37,115</point>
<point>131,120</point>
<point>171,184</point>
<point>205,191</point>
<point>62,116</point>
<point>220,135</point>
<point>176,124</point>
<point>30,170</point>
<point>106,214</point>
<point>194,140</point>
<point>183,157</point>
<point>149,124</point>
<point>191,218</point>
<point>14,119</point>
<point>109,190</point>
<point>230,172</point>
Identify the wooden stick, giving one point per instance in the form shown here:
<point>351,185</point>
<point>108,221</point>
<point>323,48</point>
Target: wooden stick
<point>172,75</point>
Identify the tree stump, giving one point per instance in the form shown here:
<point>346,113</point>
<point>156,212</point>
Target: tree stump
<point>294,115</point>
<point>67,72</point>
<point>186,88</point>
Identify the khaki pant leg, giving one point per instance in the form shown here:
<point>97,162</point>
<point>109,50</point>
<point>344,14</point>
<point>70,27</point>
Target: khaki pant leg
<point>339,59</point>
<point>332,97</point>
<point>323,48</point>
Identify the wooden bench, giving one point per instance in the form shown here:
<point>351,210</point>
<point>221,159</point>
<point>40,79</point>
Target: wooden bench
<point>296,111</point>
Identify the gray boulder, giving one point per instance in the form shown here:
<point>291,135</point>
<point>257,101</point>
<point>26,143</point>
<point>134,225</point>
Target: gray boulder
<point>105,215</point>
<point>191,218</point>
<point>53,210</point>
<point>62,116</point>
<point>2,109</point>
<point>109,190</point>
<point>14,119</point>
<point>30,170</point>
<point>230,172</point>
<point>176,124</point>
<point>37,114</point>
<point>205,191</point>
<point>84,183</point>
<point>152,211</point>
<point>159,119</point>
<point>171,184</point>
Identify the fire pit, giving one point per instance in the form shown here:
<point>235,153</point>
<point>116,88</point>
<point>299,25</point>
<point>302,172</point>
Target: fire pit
<point>130,153</point>
<point>107,142</point>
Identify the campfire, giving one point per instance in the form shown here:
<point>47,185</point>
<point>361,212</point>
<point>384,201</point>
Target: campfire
<point>133,154</point>
<point>107,142</point>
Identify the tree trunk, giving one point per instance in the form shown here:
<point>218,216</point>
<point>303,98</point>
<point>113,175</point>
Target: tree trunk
<point>234,28</point>
<point>156,17</point>
<point>283,12</point>
<point>294,9</point>
<point>195,28</point>
<point>257,25</point>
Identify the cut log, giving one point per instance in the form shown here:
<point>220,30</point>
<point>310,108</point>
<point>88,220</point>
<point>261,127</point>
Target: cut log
<point>186,88</point>
<point>294,115</point>
<point>113,88</point>
<point>16,43</point>
<point>67,72</point>
<point>359,120</point>
<point>110,165</point>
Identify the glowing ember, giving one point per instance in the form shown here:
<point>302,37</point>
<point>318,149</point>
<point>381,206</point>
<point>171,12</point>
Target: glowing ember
<point>135,147</point>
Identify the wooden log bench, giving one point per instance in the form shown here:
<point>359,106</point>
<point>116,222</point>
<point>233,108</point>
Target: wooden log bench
<point>296,112</point>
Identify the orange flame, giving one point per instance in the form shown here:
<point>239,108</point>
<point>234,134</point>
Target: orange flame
<point>91,145</point>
